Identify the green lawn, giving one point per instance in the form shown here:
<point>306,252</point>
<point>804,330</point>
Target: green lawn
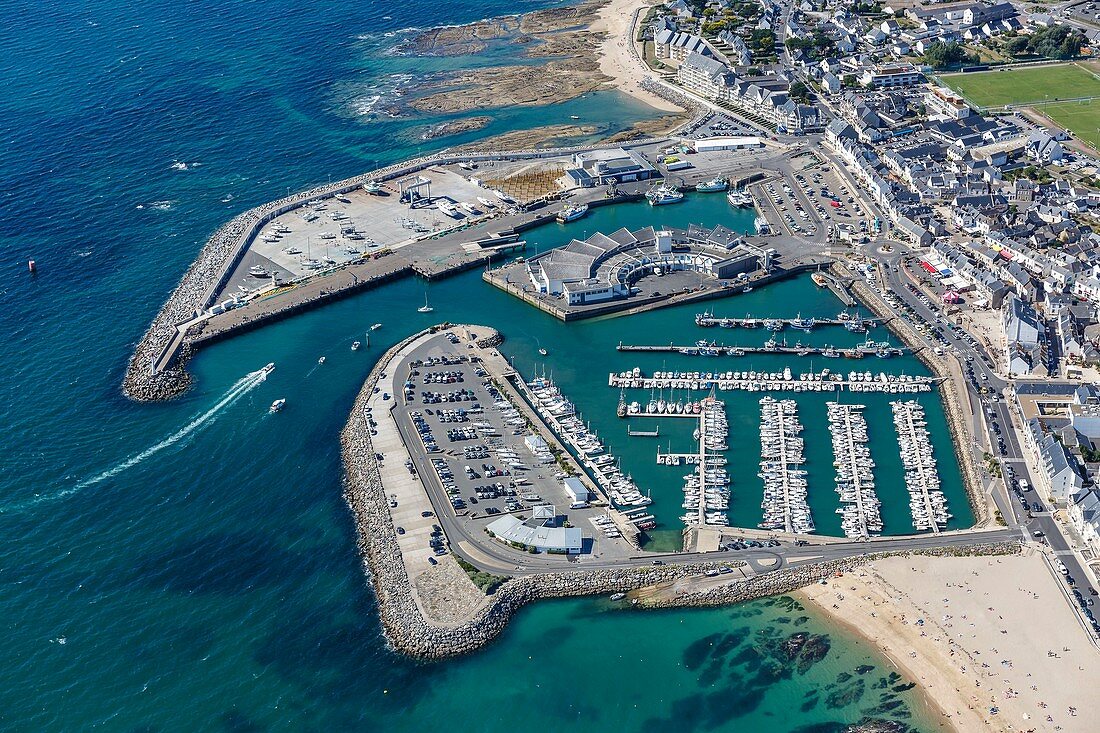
<point>1020,86</point>
<point>1080,118</point>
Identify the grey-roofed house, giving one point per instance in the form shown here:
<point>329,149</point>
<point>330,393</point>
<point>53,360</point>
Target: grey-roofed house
<point>1022,330</point>
<point>1059,467</point>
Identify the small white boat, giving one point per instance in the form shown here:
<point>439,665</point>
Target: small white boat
<point>293,251</point>
<point>355,345</point>
<point>448,209</point>
<point>321,360</point>
<point>574,117</point>
<point>487,202</point>
<point>277,405</point>
<point>372,187</point>
<point>425,308</point>
<point>375,326</point>
<point>269,368</point>
<point>740,198</point>
<point>258,271</point>
<point>544,352</point>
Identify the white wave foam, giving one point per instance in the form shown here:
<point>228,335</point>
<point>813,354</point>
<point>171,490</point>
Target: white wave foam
<point>240,388</point>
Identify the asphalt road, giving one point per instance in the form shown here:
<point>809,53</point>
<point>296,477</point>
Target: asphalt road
<point>1036,524</point>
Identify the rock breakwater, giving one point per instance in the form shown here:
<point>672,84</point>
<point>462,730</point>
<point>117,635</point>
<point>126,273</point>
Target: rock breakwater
<point>409,632</point>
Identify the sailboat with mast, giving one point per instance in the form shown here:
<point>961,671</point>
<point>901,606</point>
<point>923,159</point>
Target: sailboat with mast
<point>425,308</point>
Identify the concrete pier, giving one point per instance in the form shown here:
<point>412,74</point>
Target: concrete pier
<point>854,469</point>
<point>715,349</point>
<point>921,478</point>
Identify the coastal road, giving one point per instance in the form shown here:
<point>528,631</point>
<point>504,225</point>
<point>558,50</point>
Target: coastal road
<point>993,412</point>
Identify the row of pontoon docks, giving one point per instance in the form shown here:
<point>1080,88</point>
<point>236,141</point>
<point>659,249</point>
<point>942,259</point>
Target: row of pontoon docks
<point>851,321</point>
<point>785,504</point>
<point>561,415</point>
<point>706,489</point>
<point>926,500</point>
<point>786,380</point>
<point>860,510</point>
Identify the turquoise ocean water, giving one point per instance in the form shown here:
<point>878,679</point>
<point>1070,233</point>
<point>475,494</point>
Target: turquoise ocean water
<point>191,565</point>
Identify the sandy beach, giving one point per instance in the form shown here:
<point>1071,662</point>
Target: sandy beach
<point>615,56</point>
<point>991,640</point>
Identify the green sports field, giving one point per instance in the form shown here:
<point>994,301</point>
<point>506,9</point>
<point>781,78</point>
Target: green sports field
<point>1021,86</point>
<point>1080,118</point>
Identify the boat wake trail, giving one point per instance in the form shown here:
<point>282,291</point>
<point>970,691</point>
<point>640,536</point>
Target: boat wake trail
<point>239,389</point>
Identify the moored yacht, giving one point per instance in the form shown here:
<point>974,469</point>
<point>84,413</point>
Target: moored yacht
<point>740,198</point>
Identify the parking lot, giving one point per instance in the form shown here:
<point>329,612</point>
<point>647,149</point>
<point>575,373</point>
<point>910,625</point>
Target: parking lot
<point>831,199</point>
<point>469,440</point>
<point>790,206</point>
<point>338,229</point>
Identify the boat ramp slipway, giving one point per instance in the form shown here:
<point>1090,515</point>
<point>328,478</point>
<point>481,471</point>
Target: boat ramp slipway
<point>783,381</point>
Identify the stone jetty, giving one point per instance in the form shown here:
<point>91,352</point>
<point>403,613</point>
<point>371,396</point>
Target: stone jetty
<point>156,368</point>
<point>409,632</point>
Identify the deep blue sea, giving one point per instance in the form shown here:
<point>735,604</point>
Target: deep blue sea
<point>191,565</point>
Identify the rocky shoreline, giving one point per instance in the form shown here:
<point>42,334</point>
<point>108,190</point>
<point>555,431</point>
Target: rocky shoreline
<point>410,633</point>
<point>455,127</point>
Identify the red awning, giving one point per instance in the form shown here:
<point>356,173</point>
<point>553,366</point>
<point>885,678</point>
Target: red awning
<point>929,267</point>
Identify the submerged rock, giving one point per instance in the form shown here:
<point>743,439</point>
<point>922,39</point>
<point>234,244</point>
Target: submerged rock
<point>698,651</point>
<point>877,725</point>
<point>846,696</point>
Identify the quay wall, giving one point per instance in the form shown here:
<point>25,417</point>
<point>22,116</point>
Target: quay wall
<point>410,633</point>
<point>948,391</point>
<point>156,368</point>
<point>202,336</point>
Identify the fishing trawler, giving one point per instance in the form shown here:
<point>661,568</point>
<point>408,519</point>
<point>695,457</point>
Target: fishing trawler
<point>803,324</point>
<point>715,184</point>
<point>664,194</point>
<point>572,213</point>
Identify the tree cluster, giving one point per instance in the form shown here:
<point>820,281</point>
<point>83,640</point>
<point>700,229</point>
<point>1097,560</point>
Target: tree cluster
<point>816,47</point>
<point>1055,42</point>
<point>940,55</point>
